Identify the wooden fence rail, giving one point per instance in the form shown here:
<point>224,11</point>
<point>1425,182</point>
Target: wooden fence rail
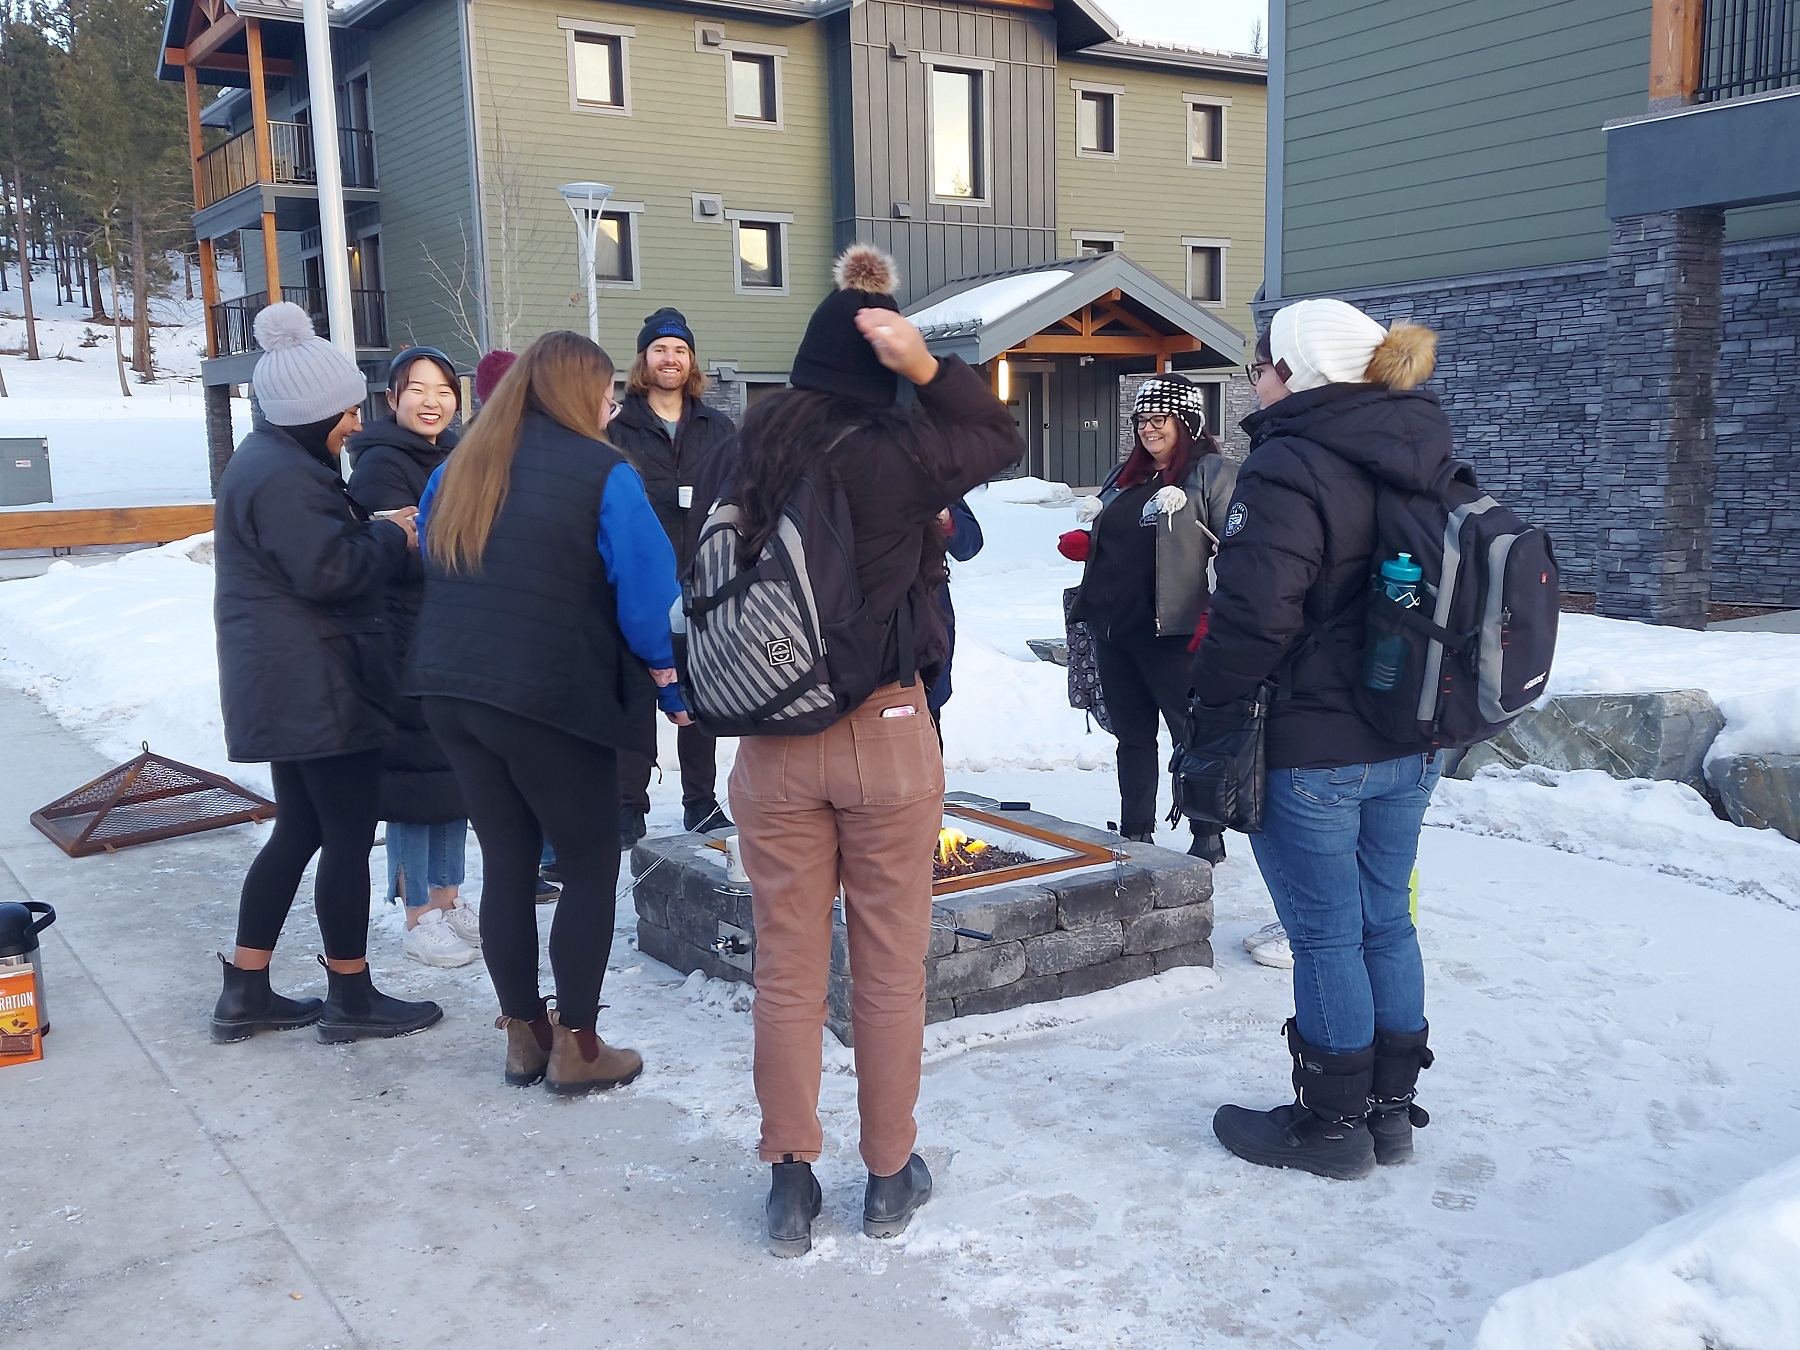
<point>102,525</point>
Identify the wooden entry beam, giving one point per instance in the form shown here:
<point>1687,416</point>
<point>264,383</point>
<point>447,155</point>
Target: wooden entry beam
<point>1051,344</point>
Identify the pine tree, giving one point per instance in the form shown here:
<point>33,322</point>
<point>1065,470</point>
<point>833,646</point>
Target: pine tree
<point>125,137</point>
<point>28,140</point>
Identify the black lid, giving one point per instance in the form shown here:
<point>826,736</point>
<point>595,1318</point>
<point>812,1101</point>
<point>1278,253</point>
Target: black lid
<point>20,925</point>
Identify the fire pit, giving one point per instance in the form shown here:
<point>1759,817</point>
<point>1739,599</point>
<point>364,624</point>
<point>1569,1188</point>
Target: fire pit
<point>1029,908</point>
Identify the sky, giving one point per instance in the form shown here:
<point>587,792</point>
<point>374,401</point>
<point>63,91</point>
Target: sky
<point>1223,24</point>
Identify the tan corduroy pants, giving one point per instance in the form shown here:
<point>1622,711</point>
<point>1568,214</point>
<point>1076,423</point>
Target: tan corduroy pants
<point>857,806</point>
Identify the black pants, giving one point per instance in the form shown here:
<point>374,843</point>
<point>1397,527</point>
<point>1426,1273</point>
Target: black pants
<point>1140,679</point>
<point>328,807</point>
<point>698,755</point>
<point>514,774</point>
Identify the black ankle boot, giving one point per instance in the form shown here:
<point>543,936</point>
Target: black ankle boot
<point>355,1009</point>
<point>794,1200</point>
<point>247,1005</point>
<point>889,1202</point>
<point>705,817</point>
<point>1208,846</point>
<point>1325,1130</point>
<point>633,826</point>
<point>1393,1115</point>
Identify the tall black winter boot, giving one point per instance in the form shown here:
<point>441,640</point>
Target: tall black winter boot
<point>1324,1131</point>
<point>794,1201</point>
<point>355,1009</point>
<point>247,1005</point>
<point>1392,1112</point>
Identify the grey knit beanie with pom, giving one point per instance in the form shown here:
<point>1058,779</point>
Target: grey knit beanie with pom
<point>301,377</point>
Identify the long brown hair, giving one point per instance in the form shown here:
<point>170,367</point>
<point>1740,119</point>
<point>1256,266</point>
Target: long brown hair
<point>561,375</point>
<point>639,382</point>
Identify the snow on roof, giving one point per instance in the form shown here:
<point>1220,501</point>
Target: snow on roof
<point>980,305</point>
<point>1172,48</point>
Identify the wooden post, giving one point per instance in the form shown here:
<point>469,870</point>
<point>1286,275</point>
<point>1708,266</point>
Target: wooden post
<point>1676,27</point>
<point>265,157</point>
<point>209,278</point>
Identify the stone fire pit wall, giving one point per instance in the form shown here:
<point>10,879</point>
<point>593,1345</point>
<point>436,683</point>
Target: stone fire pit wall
<point>1054,937</point>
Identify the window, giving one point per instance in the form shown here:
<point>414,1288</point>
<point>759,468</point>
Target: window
<point>1096,121</point>
<point>613,248</point>
<point>1206,133</point>
<point>753,87</point>
<point>760,253</point>
<point>958,134</point>
<point>599,66</point>
<point>1087,245</point>
<point>1205,271</point>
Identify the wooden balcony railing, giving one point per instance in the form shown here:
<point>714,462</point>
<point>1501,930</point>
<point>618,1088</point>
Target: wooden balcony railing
<point>1748,47</point>
<point>231,167</point>
<point>234,321</point>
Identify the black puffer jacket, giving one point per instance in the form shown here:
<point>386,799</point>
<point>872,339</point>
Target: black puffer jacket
<point>1298,550</point>
<point>392,468</point>
<point>666,465</point>
<point>306,669</point>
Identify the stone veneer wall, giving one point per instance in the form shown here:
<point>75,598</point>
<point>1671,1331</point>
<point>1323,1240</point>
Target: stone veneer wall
<point>1522,375</point>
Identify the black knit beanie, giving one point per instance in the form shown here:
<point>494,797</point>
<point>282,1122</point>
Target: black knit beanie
<point>666,322</point>
<point>834,356</point>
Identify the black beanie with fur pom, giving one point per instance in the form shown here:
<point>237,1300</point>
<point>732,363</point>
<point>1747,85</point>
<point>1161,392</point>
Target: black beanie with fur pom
<point>834,356</point>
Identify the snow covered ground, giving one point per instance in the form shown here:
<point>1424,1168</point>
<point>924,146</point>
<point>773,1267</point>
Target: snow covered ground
<point>1608,970</point>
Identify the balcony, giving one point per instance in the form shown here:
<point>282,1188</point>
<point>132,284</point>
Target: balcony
<point>234,321</point>
<point>1748,47</point>
<point>230,168</point>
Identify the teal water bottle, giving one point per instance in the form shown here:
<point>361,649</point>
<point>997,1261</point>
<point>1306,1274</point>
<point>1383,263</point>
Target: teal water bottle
<point>1400,578</point>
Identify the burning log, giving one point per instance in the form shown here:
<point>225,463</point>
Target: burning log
<point>958,855</point>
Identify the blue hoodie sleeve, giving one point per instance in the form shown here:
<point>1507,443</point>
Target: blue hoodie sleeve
<point>640,563</point>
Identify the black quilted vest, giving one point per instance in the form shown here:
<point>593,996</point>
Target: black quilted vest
<point>535,631</point>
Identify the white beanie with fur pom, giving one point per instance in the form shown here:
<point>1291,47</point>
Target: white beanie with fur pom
<point>301,378</point>
<point>1324,342</point>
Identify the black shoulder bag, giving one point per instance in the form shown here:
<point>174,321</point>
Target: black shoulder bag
<point>1220,767</point>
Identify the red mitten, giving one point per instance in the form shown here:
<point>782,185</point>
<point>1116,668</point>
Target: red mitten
<point>1199,635</point>
<point>1075,545</point>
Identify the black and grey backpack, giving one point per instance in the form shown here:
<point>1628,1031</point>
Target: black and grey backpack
<point>783,645</point>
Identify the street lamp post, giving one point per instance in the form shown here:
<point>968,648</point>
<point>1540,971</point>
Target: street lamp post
<point>587,202</point>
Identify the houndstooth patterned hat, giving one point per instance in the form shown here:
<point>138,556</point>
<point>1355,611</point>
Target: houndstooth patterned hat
<point>1173,394</point>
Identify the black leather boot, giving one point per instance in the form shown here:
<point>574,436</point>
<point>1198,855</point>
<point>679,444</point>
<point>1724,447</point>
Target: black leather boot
<point>705,817</point>
<point>1393,1115</point>
<point>1209,846</point>
<point>633,826</point>
<point>794,1201</point>
<point>1325,1131</point>
<point>356,1010</point>
<point>889,1202</point>
<point>247,1005</point>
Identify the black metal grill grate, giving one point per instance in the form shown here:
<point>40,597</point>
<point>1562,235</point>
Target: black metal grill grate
<point>146,799</point>
<point>1748,47</point>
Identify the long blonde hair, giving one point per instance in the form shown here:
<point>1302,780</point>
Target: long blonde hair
<point>562,375</point>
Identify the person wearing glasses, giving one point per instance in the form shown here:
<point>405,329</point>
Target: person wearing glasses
<point>427,829</point>
<point>1151,532</point>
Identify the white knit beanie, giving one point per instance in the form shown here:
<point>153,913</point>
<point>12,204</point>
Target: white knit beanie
<point>1324,342</point>
<point>301,377</point>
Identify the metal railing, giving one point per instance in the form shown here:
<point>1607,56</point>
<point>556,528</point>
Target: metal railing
<point>231,167</point>
<point>1748,47</point>
<point>234,321</point>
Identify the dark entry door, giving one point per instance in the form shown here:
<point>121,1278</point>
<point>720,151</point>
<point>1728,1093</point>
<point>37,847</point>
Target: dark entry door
<point>1031,412</point>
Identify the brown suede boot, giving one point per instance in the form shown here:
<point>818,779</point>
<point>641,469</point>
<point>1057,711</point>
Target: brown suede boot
<point>527,1048</point>
<point>580,1062</point>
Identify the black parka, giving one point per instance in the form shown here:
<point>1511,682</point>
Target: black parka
<point>667,466</point>
<point>392,467</point>
<point>1298,551</point>
<point>306,669</point>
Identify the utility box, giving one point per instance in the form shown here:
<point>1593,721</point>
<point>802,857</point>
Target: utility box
<point>24,470</point>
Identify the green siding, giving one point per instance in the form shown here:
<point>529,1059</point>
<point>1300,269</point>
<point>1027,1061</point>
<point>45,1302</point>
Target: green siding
<point>1763,222</point>
<point>1428,140</point>
<point>675,142</point>
<point>1151,193</point>
<point>419,109</point>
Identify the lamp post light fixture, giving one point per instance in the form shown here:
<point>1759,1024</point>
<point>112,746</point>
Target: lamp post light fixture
<point>587,203</point>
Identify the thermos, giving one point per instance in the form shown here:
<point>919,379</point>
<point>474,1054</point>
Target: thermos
<point>1400,578</point>
<point>19,926</point>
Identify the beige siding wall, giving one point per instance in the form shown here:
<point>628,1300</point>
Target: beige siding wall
<point>676,141</point>
<point>1150,193</point>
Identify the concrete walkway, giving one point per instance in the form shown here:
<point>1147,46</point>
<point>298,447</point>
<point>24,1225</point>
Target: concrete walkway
<point>163,1191</point>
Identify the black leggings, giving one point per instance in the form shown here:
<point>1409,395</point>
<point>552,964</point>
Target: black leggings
<point>328,807</point>
<point>1139,679</point>
<point>516,774</point>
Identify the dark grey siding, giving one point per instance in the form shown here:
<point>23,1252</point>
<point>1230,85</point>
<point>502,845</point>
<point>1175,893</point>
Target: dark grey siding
<point>420,109</point>
<point>880,134</point>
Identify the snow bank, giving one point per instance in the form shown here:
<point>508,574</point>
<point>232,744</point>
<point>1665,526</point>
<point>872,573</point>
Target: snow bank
<point>1726,1276</point>
<point>1667,827</point>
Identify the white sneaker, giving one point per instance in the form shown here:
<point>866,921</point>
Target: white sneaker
<point>1268,946</point>
<point>434,942</point>
<point>464,921</point>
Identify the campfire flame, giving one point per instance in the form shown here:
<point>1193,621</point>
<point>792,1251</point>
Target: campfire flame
<point>956,849</point>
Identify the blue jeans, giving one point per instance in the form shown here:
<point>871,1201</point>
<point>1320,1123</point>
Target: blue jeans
<point>430,855</point>
<point>1337,850</point>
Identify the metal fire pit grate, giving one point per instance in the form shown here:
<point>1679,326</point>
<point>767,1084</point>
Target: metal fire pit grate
<point>145,799</point>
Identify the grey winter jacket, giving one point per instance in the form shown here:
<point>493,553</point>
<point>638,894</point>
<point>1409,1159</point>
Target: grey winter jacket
<point>1186,542</point>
